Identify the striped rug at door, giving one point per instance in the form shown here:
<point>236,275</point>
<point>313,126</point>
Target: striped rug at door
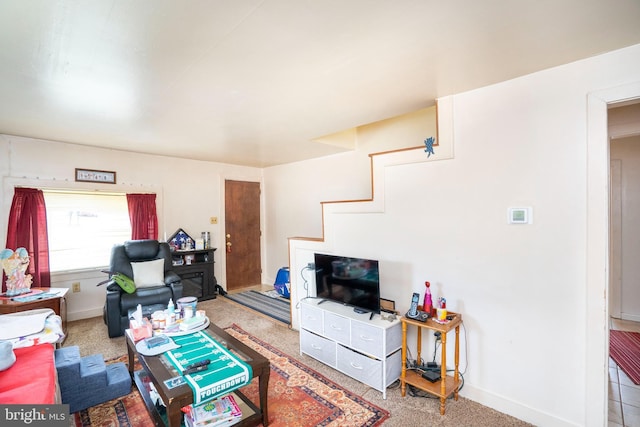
<point>624,349</point>
<point>278,308</point>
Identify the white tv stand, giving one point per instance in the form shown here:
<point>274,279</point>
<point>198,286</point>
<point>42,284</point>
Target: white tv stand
<point>363,348</point>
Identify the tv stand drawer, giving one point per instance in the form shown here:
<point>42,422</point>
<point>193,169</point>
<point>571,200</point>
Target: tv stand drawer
<point>336,327</point>
<point>360,367</point>
<point>318,347</point>
<point>367,339</point>
<point>311,318</point>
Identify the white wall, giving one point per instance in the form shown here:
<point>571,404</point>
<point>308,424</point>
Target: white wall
<point>189,193</point>
<point>294,192</point>
<point>532,296</point>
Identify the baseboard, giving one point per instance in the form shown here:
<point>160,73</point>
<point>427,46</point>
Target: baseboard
<point>631,317</point>
<point>518,410</point>
<point>85,314</point>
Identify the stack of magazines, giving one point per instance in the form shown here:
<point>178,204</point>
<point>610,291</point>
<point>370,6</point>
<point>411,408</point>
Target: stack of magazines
<point>223,411</point>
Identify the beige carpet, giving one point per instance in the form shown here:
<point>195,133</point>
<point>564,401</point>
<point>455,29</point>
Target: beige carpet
<point>91,336</point>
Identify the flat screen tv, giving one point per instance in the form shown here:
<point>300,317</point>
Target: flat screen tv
<point>350,281</point>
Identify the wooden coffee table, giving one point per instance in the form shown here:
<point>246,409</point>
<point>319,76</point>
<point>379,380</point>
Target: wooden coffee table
<point>157,370</point>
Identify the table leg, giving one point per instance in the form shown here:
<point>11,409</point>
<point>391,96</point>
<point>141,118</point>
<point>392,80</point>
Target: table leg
<point>263,380</point>
<point>443,372</point>
<point>456,375</point>
<point>132,356</point>
<point>403,373</point>
<point>419,344</point>
<point>174,415</point>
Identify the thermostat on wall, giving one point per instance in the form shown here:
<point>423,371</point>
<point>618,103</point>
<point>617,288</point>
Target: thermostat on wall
<point>520,216</point>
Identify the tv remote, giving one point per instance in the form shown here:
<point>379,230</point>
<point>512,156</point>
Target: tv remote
<point>197,364</point>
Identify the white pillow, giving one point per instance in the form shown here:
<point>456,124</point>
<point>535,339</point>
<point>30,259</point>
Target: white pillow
<point>148,273</point>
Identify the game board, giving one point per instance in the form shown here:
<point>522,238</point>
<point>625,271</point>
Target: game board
<point>225,372</point>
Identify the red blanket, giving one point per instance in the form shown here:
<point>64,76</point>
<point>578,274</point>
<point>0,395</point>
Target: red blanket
<point>32,379</point>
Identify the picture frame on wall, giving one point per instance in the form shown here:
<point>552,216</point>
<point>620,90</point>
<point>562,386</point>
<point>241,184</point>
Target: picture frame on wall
<point>93,175</point>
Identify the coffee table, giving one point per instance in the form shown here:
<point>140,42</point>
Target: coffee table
<point>157,369</point>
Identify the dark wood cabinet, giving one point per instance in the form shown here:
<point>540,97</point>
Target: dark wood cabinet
<point>196,269</point>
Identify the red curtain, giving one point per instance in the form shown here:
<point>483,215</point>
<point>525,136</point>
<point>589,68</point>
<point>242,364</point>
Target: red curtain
<point>142,214</point>
<point>28,229</point>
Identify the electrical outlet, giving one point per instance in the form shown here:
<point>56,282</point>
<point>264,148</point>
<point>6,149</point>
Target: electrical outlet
<point>311,265</point>
<point>75,286</point>
<point>213,220</point>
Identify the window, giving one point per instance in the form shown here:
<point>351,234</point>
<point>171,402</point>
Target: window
<point>83,227</point>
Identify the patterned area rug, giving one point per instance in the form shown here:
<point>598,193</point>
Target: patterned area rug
<point>624,349</point>
<point>298,396</point>
<point>277,308</point>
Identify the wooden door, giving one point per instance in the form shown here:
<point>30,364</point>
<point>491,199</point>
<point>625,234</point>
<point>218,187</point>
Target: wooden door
<point>242,234</point>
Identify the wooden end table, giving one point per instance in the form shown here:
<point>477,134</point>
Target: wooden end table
<point>158,370</point>
<point>447,384</point>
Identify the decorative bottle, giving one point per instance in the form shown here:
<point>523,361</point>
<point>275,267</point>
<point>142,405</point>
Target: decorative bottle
<point>171,312</point>
<point>427,306</point>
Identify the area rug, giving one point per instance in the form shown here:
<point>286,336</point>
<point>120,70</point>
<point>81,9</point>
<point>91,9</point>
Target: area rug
<point>277,308</point>
<point>298,396</point>
<point>624,349</point>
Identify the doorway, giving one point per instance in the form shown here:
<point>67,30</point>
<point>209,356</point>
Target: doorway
<point>242,234</point>
<point>624,219</point>
<point>598,245</point>
<point>624,248</point>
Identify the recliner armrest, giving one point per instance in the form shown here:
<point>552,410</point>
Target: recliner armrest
<point>171,277</point>
<point>111,313</point>
<point>113,287</point>
<point>176,289</point>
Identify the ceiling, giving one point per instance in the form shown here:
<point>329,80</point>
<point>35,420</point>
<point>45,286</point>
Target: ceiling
<point>254,82</point>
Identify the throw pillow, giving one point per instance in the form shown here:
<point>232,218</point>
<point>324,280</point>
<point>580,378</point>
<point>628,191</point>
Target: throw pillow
<point>148,273</point>
<point>7,356</point>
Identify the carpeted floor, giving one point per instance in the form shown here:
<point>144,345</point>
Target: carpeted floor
<point>91,336</point>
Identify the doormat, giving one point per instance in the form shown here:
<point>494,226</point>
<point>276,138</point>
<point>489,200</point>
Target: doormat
<point>624,349</point>
<point>297,395</point>
<point>277,308</point>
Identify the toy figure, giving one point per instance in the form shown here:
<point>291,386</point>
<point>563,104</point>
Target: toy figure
<point>15,265</point>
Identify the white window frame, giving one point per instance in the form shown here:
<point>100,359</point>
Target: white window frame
<point>82,234</point>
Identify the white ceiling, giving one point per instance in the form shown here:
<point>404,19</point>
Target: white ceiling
<point>254,82</point>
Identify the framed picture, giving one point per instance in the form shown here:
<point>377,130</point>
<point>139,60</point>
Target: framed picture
<point>91,175</point>
<point>387,305</point>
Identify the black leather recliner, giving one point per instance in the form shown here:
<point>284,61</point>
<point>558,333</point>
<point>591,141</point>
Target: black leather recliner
<point>118,303</point>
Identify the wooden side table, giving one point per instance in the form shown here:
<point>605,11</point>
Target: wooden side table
<point>57,303</point>
<point>447,385</point>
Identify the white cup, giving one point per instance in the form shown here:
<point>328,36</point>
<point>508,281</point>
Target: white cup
<point>188,312</point>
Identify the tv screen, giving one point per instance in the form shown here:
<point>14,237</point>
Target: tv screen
<point>351,281</point>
